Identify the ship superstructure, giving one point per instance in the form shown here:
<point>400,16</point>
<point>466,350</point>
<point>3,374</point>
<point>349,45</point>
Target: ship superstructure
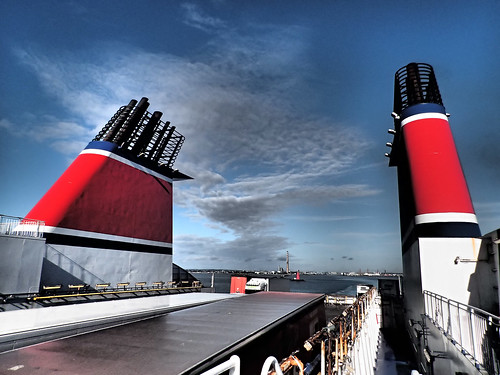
<point>87,282</point>
<point>108,218</point>
<point>450,270</point>
<point>448,306</point>
<point>444,319</point>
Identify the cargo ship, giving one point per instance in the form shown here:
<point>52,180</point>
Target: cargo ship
<point>88,284</point>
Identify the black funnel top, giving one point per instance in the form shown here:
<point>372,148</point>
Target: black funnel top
<point>415,83</point>
<point>142,134</point>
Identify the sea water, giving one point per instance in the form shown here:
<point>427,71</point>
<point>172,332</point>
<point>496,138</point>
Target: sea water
<point>324,284</point>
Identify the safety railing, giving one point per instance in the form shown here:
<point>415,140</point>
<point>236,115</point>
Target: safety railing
<point>348,345</point>
<point>18,226</point>
<point>473,331</point>
<point>349,342</point>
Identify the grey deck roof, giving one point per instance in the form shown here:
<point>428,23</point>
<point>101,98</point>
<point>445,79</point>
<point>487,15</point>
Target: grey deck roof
<point>169,344</point>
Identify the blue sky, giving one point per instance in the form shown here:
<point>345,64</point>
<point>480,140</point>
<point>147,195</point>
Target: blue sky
<point>284,104</point>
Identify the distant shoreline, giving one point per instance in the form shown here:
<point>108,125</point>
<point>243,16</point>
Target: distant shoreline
<point>354,274</point>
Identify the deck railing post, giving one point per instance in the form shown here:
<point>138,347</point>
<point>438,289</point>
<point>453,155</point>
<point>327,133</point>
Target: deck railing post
<point>472,332</point>
<point>18,226</point>
<point>468,328</point>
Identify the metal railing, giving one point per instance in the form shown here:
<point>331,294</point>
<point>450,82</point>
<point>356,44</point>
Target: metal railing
<point>18,226</point>
<point>473,331</point>
<point>349,342</point>
<point>232,365</point>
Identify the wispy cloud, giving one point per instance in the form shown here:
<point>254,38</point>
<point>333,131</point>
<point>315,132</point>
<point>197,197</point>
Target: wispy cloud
<point>67,137</point>
<point>250,252</point>
<point>252,150</point>
<point>195,17</point>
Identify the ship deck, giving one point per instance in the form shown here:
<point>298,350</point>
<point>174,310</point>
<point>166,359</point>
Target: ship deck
<point>394,356</point>
<point>179,342</point>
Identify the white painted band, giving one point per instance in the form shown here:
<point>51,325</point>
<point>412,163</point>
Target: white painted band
<point>123,160</point>
<point>423,116</point>
<point>446,217</point>
<point>103,236</point>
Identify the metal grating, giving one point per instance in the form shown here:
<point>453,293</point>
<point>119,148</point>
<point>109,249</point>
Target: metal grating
<point>143,134</point>
<point>415,83</point>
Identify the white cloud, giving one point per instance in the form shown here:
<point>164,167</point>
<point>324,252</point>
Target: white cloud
<point>195,17</point>
<point>52,128</point>
<point>252,252</point>
<point>7,125</point>
<point>67,137</point>
<point>249,145</point>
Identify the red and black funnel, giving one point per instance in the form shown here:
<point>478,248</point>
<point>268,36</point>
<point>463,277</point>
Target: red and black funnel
<point>117,194</point>
<point>433,192</point>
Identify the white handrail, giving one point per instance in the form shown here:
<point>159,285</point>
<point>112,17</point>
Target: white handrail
<point>18,226</point>
<point>469,328</point>
<point>233,364</point>
<point>271,361</point>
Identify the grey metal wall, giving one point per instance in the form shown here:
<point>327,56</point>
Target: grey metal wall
<point>94,265</point>
<point>20,264</point>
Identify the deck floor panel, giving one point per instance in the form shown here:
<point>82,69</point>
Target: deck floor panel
<point>169,344</point>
